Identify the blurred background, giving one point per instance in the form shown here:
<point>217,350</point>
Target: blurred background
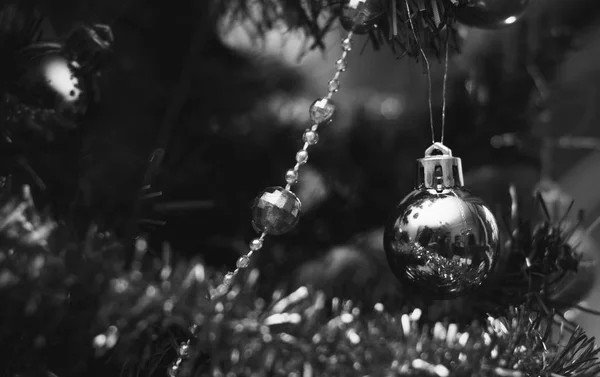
<point>513,95</point>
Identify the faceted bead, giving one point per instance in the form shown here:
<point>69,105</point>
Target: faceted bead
<point>347,44</point>
<point>340,65</point>
<point>334,85</point>
<point>302,156</point>
<point>291,176</point>
<point>256,244</point>
<point>243,261</point>
<point>276,211</point>
<point>310,137</point>
<point>322,110</point>
<point>360,16</point>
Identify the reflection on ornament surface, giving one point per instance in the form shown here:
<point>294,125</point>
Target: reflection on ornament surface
<point>60,77</point>
<point>491,14</point>
<point>47,95</point>
<point>444,243</point>
<point>48,80</point>
<point>53,84</point>
<point>275,211</point>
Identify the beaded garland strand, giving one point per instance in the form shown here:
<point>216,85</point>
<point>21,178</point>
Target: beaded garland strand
<point>276,210</point>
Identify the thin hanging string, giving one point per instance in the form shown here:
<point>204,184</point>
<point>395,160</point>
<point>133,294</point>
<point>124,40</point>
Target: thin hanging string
<point>428,68</point>
<point>445,85</point>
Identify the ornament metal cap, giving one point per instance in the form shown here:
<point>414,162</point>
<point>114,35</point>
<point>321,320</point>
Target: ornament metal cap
<point>439,170</point>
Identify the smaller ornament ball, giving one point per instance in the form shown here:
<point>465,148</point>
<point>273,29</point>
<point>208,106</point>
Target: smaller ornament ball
<point>48,82</point>
<point>360,16</point>
<point>491,14</point>
<point>276,211</point>
<point>53,84</point>
<point>442,242</point>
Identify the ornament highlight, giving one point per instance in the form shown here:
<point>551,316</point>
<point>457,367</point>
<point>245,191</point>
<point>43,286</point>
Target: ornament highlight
<point>441,241</point>
<point>54,84</point>
<point>360,16</point>
<point>491,14</point>
<point>48,80</point>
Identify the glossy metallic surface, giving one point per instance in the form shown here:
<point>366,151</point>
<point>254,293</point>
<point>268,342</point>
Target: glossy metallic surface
<point>46,79</point>
<point>492,14</point>
<point>441,243</point>
<point>439,171</point>
<point>276,211</point>
<point>322,111</point>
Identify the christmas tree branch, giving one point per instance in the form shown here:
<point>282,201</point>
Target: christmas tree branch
<point>432,19</point>
<point>303,334</point>
<point>56,288</point>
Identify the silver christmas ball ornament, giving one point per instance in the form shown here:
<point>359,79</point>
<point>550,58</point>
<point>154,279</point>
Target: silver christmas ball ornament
<point>48,80</point>
<point>54,84</point>
<point>441,241</point>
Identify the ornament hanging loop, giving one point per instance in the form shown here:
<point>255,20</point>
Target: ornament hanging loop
<point>439,171</point>
<point>444,150</point>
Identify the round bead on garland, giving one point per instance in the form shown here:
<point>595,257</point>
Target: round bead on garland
<point>183,352</point>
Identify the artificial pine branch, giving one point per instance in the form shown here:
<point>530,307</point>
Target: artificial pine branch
<point>55,288</point>
<point>301,333</point>
<point>406,26</point>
